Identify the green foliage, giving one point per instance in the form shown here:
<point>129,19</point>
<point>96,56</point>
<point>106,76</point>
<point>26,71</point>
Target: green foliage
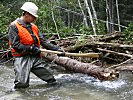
<point>66,31</point>
<point>101,28</point>
<point>81,38</point>
<point>4,19</point>
<point>85,30</point>
<point>128,33</point>
<point>67,22</point>
<point>45,21</point>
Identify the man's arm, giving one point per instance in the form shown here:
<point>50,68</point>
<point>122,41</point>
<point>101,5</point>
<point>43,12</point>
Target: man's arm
<point>46,44</point>
<point>14,39</point>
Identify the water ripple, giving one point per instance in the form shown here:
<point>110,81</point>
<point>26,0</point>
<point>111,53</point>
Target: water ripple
<point>91,81</point>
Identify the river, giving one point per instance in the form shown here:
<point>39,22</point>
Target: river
<point>71,86</point>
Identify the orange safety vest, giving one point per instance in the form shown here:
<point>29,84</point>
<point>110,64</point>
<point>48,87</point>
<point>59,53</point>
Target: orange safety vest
<point>25,37</point>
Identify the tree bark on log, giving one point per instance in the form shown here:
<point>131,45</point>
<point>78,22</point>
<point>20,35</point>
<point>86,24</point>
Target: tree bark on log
<point>85,68</point>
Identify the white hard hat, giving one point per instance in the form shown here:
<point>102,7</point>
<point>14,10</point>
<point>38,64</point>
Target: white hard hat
<point>30,8</point>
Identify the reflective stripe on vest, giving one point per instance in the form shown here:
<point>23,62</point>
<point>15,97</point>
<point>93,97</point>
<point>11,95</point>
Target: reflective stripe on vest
<point>25,37</point>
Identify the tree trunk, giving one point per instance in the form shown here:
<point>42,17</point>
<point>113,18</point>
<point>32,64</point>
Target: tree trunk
<point>109,13</point>
<point>84,16</point>
<point>85,68</point>
<point>52,9</point>
<point>94,11</point>
<point>90,15</point>
<point>118,17</point>
<point>111,6</point>
<point>68,17</point>
<point>107,19</point>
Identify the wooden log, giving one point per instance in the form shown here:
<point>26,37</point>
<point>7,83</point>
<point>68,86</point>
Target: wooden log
<point>116,53</point>
<point>109,37</point>
<point>95,45</point>
<point>85,68</point>
<point>91,55</point>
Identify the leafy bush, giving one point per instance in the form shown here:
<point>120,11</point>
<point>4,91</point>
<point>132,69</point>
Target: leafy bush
<point>128,33</point>
<point>6,17</point>
<point>101,28</point>
<point>4,20</point>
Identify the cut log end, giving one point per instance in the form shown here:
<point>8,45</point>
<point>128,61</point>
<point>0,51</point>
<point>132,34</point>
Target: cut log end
<point>109,75</point>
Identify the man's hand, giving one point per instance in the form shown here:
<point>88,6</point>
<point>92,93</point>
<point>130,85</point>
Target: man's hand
<point>61,50</point>
<point>35,50</point>
<point>62,54</point>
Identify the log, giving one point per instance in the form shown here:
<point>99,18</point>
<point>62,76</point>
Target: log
<point>116,53</point>
<point>85,68</point>
<point>91,55</point>
<point>95,45</point>
<point>109,37</point>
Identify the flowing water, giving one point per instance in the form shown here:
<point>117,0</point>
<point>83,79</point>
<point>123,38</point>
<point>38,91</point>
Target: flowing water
<point>71,86</point>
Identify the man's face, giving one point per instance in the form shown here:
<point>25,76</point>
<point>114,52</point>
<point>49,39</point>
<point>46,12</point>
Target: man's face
<point>30,18</point>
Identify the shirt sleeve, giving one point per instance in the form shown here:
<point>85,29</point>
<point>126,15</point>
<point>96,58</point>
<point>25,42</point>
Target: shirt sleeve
<point>46,44</point>
<point>14,39</point>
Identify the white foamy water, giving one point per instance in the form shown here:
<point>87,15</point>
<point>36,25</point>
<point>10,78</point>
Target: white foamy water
<point>62,75</point>
<point>110,84</point>
<point>92,81</point>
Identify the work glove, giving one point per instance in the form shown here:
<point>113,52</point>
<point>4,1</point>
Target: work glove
<point>35,50</point>
<point>63,52</point>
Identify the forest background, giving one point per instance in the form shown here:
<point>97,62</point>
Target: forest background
<point>67,18</point>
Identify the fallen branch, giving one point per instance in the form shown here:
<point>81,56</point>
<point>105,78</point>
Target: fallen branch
<point>113,52</point>
<point>114,45</point>
<point>127,67</point>
<point>109,37</point>
<point>2,63</point>
<point>114,66</point>
<point>91,55</point>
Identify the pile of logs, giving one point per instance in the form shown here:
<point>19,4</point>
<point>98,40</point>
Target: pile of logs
<point>111,45</point>
<point>114,50</point>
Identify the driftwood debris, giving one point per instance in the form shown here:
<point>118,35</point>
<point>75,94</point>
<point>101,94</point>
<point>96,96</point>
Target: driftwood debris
<point>88,40</point>
<point>110,37</point>
<point>95,45</point>
<point>79,67</point>
<point>116,52</point>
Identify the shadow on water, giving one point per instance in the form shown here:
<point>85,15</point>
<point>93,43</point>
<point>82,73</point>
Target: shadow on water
<point>69,87</point>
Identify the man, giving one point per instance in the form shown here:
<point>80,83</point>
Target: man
<point>25,40</point>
